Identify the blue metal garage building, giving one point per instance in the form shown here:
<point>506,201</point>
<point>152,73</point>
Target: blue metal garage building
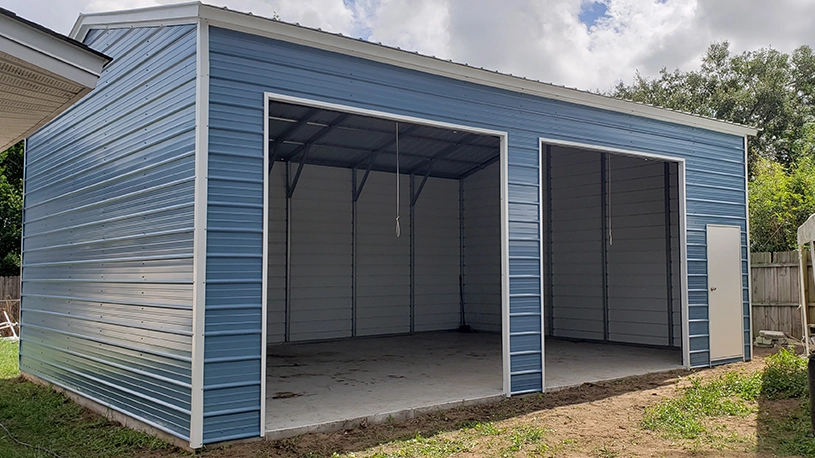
<point>232,182</point>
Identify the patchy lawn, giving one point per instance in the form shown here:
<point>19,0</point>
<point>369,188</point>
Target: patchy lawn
<point>756,409</point>
<point>50,422</point>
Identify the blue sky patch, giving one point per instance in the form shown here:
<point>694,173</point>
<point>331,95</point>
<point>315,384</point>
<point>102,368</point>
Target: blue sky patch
<point>591,12</point>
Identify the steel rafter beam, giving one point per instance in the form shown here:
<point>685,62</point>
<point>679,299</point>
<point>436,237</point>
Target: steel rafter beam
<point>480,166</point>
<point>289,130</point>
<point>293,185</point>
<point>371,157</point>
<point>318,135</point>
<point>454,148</point>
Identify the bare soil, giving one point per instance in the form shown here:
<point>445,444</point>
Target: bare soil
<point>593,420</point>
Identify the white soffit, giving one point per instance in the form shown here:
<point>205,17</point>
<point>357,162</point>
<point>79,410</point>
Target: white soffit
<point>187,13</point>
<point>42,73</point>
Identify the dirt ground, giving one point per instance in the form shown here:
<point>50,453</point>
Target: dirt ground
<point>593,420</point>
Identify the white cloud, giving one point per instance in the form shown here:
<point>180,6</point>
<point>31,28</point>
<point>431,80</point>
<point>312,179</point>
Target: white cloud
<point>539,39</point>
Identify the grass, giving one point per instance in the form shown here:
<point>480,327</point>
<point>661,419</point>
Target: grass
<point>732,394</point>
<point>8,359</point>
<point>787,432</point>
<point>44,418</point>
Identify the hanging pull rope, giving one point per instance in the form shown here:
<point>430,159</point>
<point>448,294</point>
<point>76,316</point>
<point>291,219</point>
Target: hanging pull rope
<point>398,227</point>
<point>608,197</point>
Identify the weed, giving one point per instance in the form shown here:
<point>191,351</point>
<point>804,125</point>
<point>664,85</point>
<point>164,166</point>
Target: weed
<point>792,434</point>
<point>524,435</point>
<point>683,417</point>
<point>433,447</point>
<point>785,376</point>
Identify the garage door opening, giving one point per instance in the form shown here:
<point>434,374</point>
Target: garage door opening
<point>383,267</point>
<point>613,265</point>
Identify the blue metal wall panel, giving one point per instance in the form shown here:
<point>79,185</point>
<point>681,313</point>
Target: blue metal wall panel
<point>243,67</point>
<point>108,231</point>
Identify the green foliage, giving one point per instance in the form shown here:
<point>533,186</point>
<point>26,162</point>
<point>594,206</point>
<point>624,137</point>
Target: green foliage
<point>765,88</point>
<point>683,417</point>
<point>8,359</point>
<point>780,201</point>
<point>11,209</point>
<point>785,376</point>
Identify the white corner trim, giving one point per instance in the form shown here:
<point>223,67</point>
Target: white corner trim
<point>200,235</point>
<point>541,219</point>
<point>265,268</point>
<point>256,25</point>
<point>505,329</point>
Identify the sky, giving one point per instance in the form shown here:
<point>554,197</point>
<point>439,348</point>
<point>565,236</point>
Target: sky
<point>587,44</point>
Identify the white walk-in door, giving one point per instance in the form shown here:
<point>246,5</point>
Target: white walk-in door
<point>725,292</point>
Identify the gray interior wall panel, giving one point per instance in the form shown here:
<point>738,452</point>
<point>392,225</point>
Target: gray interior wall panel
<point>276,282</point>
<point>321,254</point>
<point>382,259</point>
<point>108,233</point>
<point>637,257</point>
<point>576,228</point>
<point>436,273</point>
<point>482,249</point>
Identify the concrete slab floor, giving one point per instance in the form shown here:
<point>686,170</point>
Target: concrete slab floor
<point>327,386</point>
<point>571,363</point>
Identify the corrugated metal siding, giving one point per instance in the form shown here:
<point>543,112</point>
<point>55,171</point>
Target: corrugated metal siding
<point>577,244</point>
<point>244,66</point>
<point>382,259</point>
<point>108,233</point>
<point>482,250</point>
<point>637,277</point>
<point>321,254</point>
<point>436,255</point>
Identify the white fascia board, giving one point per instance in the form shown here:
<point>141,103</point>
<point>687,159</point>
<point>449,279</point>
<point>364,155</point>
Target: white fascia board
<point>50,53</point>
<point>256,25</point>
<point>180,13</point>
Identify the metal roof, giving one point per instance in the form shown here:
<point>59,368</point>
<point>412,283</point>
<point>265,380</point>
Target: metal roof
<point>42,73</point>
<point>194,12</point>
<point>325,137</point>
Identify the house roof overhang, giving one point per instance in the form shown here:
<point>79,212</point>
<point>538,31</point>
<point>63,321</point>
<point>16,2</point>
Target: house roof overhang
<point>42,73</point>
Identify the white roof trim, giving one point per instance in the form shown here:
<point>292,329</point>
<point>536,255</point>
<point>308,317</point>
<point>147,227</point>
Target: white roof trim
<point>188,13</point>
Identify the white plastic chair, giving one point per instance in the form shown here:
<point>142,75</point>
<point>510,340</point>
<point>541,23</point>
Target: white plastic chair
<point>8,324</point>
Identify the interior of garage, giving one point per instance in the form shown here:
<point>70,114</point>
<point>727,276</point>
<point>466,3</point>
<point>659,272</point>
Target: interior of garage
<point>372,319</point>
<point>612,265</point>
<point>363,317</point>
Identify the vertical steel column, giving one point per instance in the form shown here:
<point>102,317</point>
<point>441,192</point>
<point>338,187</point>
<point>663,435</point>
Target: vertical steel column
<point>604,217</point>
<point>412,260</point>
<point>550,278</point>
<point>462,320</point>
<point>287,312</point>
<point>353,252</point>
<point>669,254</point>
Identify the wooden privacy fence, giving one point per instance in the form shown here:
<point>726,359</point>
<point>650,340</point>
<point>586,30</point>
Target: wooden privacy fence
<point>9,301</point>
<point>774,283</point>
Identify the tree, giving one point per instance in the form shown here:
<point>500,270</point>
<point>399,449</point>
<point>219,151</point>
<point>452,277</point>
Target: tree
<point>765,88</point>
<point>11,209</point>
